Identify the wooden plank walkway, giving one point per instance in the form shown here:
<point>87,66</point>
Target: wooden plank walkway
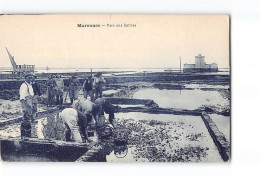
<point>218,138</point>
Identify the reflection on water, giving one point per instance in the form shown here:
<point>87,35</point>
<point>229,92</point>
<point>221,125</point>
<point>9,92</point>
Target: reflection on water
<point>121,151</point>
<point>142,137</point>
<point>145,137</point>
<point>128,155</point>
<point>185,99</point>
<point>50,127</point>
<point>116,153</point>
<point>12,130</point>
<point>164,138</point>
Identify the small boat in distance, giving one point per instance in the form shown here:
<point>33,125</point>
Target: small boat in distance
<point>47,68</point>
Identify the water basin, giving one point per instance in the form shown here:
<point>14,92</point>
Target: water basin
<point>164,137</point>
<point>183,99</point>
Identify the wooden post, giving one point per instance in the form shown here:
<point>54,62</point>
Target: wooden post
<point>180,64</point>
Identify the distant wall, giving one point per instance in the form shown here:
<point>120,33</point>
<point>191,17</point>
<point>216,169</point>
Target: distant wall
<point>189,65</point>
<point>192,70</point>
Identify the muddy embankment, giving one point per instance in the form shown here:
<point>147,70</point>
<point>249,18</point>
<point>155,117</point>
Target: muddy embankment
<point>125,86</point>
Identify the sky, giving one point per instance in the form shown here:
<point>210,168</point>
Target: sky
<point>156,41</point>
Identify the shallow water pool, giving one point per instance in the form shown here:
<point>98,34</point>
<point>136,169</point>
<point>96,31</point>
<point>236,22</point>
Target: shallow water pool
<point>182,99</point>
<point>164,137</point>
<point>152,137</point>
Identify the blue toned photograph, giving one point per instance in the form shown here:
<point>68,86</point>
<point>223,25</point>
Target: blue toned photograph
<point>115,88</point>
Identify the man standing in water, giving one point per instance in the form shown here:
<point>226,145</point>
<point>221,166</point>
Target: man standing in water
<point>36,91</point>
<point>59,90</point>
<point>28,105</point>
<point>51,85</point>
<point>99,81</point>
<point>73,88</point>
<point>88,88</point>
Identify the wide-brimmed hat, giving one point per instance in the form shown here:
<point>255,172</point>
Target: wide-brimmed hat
<point>30,74</point>
<point>98,74</point>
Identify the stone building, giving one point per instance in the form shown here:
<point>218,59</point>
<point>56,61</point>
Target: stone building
<point>200,65</point>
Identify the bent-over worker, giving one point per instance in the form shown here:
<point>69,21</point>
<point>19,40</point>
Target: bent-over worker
<point>77,118</point>
<point>100,106</point>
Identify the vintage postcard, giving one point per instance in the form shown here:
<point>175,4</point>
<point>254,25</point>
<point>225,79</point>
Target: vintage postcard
<point>115,88</point>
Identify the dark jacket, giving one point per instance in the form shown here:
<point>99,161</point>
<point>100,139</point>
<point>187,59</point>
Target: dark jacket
<point>36,89</point>
<point>74,84</point>
<point>88,85</point>
<point>101,106</point>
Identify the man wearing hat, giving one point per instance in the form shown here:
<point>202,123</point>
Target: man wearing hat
<point>88,88</point>
<point>59,89</point>
<point>51,87</point>
<point>28,105</point>
<point>73,88</point>
<point>98,85</point>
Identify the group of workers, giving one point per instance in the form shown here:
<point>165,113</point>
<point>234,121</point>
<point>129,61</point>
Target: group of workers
<point>84,112</point>
<point>92,87</point>
<point>55,88</point>
<point>76,117</point>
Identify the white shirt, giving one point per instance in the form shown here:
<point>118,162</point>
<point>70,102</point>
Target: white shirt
<point>98,79</point>
<point>26,90</point>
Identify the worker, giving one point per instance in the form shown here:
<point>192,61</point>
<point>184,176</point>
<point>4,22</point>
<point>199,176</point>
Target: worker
<point>28,105</point>
<point>51,85</point>
<point>88,88</point>
<point>77,119</point>
<point>73,120</point>
<point>59,89</point>
<point>99,81</point>
<point>36,87</point>
<point>73,88</point>
<point>36,91</point>
<point>54,89</point>
<point>100,106</point>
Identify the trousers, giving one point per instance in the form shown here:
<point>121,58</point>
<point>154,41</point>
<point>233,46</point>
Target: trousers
<point>98,92</point>
<point>70,118</point>
<point>89,93</point>
<point>29,110</point>
<point>73,93</point>
<point>59,97</point>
